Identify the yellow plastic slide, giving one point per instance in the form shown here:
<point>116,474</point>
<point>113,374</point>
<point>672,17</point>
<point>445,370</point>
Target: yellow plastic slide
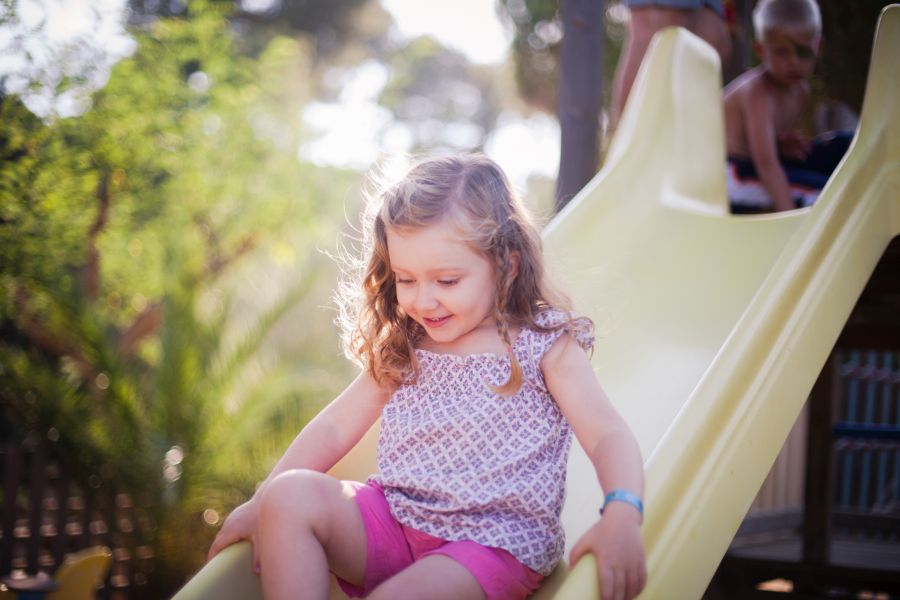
<point>712,328</point>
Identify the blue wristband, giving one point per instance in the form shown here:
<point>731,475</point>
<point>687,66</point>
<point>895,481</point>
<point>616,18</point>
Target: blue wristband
<point>626,497</point>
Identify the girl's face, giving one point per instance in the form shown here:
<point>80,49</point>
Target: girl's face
<point>442,282</point>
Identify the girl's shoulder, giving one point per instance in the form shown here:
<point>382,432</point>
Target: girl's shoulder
<point>551,323</point>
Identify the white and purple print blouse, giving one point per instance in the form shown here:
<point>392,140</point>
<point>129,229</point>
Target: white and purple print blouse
<point>459,461</point>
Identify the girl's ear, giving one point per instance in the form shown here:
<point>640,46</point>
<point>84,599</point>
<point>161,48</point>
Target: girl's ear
<point>514,258</point>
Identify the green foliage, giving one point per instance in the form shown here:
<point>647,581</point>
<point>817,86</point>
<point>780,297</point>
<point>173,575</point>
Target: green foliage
<point>123,234</point>
<point>434,91</point>
<point>537,47</point>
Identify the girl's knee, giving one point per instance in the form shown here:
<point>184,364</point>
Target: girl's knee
<point>297,494</point>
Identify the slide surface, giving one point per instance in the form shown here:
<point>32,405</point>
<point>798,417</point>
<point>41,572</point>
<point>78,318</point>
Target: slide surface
<point>711,328</point>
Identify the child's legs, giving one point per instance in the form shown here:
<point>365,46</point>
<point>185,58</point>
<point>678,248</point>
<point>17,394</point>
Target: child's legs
<point>434,577</point>
<point>459,569</point>
<point>387,550</point>
<point>710,26</point>
<point>644,22</point>
<point>809,176</point>
<point>827,151</point>
<point>800,177</point>
<point>650,16</point>
<point>402,562</point>
<point>308,523</point>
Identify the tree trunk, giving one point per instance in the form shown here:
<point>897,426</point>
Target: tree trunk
<point>579,96</point>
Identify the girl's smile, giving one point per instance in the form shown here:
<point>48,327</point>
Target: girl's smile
<point>436,322</point>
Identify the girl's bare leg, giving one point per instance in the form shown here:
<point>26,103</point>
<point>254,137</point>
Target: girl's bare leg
<point>308,523</point>
<point>435,577</point>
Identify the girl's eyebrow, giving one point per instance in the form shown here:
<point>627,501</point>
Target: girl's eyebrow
<point>440,270</point>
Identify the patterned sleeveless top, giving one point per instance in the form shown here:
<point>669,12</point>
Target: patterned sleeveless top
<point>461,462</point>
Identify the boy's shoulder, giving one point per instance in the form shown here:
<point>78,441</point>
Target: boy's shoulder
<point>747,87</point>
<point>756,97</point>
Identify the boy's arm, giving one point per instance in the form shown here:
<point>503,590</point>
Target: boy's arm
<point>615,540</point>
<point>763,141</point>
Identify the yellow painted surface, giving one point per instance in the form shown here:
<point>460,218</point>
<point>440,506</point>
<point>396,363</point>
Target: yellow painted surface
<point>711,328</point>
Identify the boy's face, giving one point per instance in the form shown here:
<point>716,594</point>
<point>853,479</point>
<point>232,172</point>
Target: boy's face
<point>789,56</point>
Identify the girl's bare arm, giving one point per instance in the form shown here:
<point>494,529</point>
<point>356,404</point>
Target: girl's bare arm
<point>324,441</point>
<point>615,540</point>
<point>335,430</point>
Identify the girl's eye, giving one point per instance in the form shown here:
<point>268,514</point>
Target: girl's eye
<point>448,282</point>
<point>402,281</point>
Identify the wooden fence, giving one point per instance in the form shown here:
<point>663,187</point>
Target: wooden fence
<point>45,515</point>
<point>865,433</point>
<point>827,520</point>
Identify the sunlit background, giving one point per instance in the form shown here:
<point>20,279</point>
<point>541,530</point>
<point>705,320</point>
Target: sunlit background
<point>65,39</point>
<point>178,181</point>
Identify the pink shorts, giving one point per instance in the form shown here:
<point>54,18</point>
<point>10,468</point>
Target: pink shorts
<point>392,546</point>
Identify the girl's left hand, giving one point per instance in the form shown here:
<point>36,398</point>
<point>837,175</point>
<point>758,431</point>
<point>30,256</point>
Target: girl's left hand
<point>616,543</point>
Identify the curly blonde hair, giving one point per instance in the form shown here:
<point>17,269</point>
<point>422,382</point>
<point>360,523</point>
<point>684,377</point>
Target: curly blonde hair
<point>473,191</point>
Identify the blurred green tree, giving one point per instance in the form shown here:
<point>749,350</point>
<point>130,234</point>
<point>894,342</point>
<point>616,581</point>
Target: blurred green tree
<point>537,47</point>
<point>563,52</point>
<point>126,236</point>
<point>444,101</point>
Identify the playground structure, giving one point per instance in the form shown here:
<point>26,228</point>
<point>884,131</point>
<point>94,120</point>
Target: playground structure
<point>76,579</point>
<point>712,328</point>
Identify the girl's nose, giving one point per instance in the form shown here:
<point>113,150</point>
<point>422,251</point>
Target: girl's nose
<point>425,299</point>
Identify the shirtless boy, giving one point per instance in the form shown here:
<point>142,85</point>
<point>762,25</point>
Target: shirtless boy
<point>764,106</point>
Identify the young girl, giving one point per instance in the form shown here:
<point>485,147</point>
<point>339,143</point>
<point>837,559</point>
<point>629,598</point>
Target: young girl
<point>477,370</point>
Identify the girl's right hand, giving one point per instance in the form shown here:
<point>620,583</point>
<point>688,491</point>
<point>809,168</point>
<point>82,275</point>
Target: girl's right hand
<point>241,524</point>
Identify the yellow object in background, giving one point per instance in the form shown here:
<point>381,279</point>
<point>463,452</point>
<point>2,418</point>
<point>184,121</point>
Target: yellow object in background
<point>77,578</point>
<point>711,328</point>
<point>81,574</point>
